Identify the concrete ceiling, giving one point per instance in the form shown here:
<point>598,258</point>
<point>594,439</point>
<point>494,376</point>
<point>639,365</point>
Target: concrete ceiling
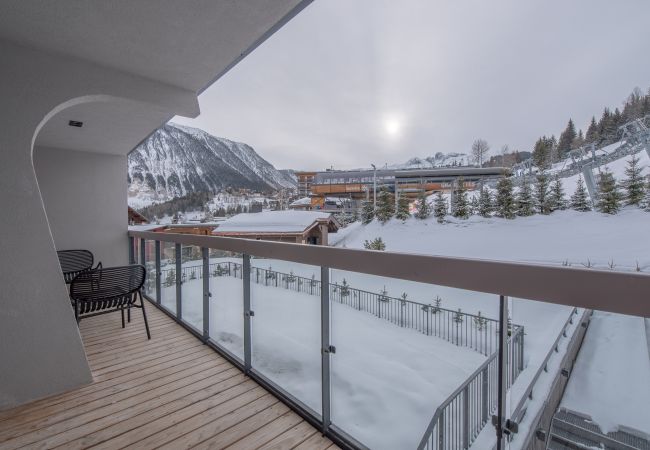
<point>183,43</point>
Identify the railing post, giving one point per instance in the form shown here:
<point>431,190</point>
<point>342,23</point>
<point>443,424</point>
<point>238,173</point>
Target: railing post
<point>485,407</point>
<point>502,370</point>
<point>131,250</point>
<point>205,253</point>
<point>246,278</point>
<point>158,274</point>
<point>441,431</point>
<point>179,281</point>
<point>325,347</point>
<point>142,252</point>
<point>465,424</point>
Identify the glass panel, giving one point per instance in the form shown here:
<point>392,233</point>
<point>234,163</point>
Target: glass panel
<point>192,286</point>
<point>227,301</point>
<point>150,264</point>
<point>168,276</point>
<point>603,395</point>
<point>286,337</point>
<point>403,349</point>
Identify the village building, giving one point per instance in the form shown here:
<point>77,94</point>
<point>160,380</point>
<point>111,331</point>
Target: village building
<point>302,227</point>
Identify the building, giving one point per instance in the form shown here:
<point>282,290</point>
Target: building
<point>305,180</point>
<point>301,227</point>
<point>361,184</point>
<point>135,218</point>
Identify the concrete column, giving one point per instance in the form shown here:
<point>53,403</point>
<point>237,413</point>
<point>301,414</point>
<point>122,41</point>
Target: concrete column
<point>324,230</point>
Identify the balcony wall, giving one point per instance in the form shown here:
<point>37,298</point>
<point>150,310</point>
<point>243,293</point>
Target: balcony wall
<point>85,200</point>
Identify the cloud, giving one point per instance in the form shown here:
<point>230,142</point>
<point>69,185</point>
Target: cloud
<point>318,92</point>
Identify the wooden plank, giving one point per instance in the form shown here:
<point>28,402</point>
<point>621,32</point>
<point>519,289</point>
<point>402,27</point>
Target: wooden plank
<point>169,391</point>
<point>85,423</point>
<point>268,432</point>
<point>315,442</point>
<point>148,425</point>
<point>192,436</point>
<point>62,413</point>
<point>244,427</point>
<point>291,438</point>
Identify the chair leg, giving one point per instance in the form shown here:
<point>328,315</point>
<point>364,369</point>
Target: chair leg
<point>122,311</point>
<point>144,314</point>
<point>128,313</point>
<point>76,311</point>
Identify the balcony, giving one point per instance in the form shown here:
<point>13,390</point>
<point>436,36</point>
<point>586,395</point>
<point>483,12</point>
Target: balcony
<point>169,392</point>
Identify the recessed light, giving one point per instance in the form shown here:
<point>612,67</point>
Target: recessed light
<point>75,123</point>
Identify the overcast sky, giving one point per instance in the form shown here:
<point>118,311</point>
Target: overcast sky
<point>347,83</point>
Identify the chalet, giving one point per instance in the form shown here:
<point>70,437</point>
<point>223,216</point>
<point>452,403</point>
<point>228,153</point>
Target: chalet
<point>135,218</point>
<point>302,227</point>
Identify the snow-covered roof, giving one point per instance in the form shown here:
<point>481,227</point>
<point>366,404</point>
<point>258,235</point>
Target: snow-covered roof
<point>301,202</point>
<point>272,222</point>
<point>145,227</point>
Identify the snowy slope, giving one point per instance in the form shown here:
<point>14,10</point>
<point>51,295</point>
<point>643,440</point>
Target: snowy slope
<point>176,160</point>
<point>438,160</point>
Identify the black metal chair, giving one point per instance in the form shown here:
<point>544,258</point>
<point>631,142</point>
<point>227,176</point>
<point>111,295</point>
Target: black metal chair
<point>74,262</point>
<point>110,289</point>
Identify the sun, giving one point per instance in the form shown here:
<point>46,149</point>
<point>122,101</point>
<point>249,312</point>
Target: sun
<point>392,126</point>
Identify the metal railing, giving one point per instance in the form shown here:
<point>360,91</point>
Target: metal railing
<point>460,418</point>
<point>578,287</point>
<point>474,331</point>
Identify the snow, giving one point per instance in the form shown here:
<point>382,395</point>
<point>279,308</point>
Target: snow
<point>272,222</point>
<point>611,377</point>
<point>385,380</point>
<point>301,202</point>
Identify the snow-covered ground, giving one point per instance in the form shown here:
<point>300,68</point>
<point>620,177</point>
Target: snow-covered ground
<point>579,238</point>
<point>610,380</point>
<point>386,380</point>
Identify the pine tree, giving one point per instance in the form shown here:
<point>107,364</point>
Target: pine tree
<point>647,196</point>
<point>566,140</point>
<point>367,213</point>
<point>402,212</point>
<point>423,207</point>
<point>385,206</point>
<point>557,200</point>
<point>634,184</point>
<point>592,132</point>
<point>609,196</point>
<point>525,206</point>
<point>473,205</point>
<point>440,207</point>
<point>541,193</point>
<point>484,203</point>
<point>504,203</point>
<point>579,199</point>
<point>461,206</point>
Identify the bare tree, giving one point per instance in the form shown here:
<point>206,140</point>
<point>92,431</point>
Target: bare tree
<point>480,149</point>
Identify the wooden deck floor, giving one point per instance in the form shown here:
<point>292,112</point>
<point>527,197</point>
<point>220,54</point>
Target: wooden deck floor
<point>171,392</point>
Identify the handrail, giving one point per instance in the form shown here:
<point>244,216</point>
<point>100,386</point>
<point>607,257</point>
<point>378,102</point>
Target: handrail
<point>543,367</point>
<point>578,287</point>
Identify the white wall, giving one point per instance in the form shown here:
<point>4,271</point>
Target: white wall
<point>85,201</point>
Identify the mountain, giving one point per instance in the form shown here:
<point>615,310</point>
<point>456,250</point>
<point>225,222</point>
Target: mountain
<point>438,160</point>
<point>177,160</point>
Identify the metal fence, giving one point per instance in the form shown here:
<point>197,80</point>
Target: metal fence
<point>458,420</point>
<point>473,331</point>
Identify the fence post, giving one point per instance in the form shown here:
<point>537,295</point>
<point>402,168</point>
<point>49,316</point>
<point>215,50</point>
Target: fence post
<point>158,274</point>
<point>179,281</point>
<point>441,431</point>
<point>485,407</point>
<point>206,294</point>
<point>325,348</point>
<point>465,425</point>
<point>248,313</point>
<point>142,252</point>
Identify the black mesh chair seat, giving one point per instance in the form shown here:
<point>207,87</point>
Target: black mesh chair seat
<point>109,289</point>
<point>74,262</point>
